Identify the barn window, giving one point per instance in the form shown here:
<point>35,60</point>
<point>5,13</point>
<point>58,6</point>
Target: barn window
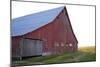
<point>56,44</point>
<point>66,45</point>
<point>62,44</point>
<point>70,45</point>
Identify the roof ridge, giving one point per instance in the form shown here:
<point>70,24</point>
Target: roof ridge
<point>28,23</point>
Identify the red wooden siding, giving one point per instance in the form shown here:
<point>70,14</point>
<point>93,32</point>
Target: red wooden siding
<point>57,32</point>
<point>16,46</point>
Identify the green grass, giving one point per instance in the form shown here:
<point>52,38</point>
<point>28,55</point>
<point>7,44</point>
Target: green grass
<point>84,54</point>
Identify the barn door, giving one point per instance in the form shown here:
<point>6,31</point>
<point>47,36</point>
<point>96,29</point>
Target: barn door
<point>31,47</point>
<point>38,47</point>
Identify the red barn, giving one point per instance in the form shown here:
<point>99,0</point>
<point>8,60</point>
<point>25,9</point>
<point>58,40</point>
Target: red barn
<point>43,33</point>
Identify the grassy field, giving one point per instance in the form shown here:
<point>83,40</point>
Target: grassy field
<point>84,54</point>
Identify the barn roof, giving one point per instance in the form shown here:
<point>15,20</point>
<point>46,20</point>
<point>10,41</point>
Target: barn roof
<point>25,24</point>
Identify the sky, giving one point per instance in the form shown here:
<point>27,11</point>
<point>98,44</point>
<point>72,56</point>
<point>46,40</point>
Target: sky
<point>82,18</point>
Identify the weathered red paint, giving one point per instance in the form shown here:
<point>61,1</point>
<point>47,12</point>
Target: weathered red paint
<point>16,46</point>
<point>58,31</point>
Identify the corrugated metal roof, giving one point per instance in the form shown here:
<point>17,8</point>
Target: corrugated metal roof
<point>29,23</point>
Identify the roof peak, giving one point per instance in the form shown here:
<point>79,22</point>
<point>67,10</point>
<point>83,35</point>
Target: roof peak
<point>28,23</point>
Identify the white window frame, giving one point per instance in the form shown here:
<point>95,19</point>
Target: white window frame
<point>70,45</point>
<point>62,44</point>
<point>56,44</point>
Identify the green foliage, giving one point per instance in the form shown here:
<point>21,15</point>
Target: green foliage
<point>84,54</point>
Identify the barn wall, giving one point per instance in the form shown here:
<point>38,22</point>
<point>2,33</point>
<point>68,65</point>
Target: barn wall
<point>57,36</point>
<point>71,38</point>
<point>57,32</point>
